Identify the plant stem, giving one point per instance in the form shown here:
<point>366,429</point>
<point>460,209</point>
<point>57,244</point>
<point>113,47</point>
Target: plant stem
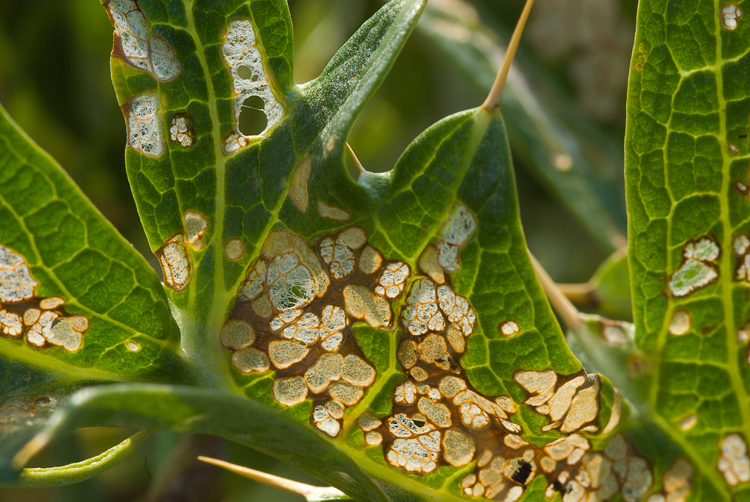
<point>493,98</point>
<point>564,308</point>
<point>302,489</point>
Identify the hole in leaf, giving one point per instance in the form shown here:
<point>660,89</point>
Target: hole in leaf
<point>245,73</point>
<point>252,117</point>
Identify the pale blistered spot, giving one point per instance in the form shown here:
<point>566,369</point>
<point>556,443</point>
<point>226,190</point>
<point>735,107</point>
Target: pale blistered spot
<point>357,372</point>
<point>234,249</point>
<point>614,418</point>
<point>233,142</point>
<point>680,322</point>
<point>39,332</point>
<point>407,354</point>
<point>437,413</point>
<point>509,328</point>
<point>51,303</point>
<point>298,192</point>
<point>242,56</point>
<point>145,129</point>
<point>362,304</point>
<point>324,421</point>
<point>740,245</point>
<point>182,130</point>
<point>290,283</point>
<point>456,339</point>
<point>733,462</point>
<point>354,237</point>
<point>338,256</point>
<point>133,346</point>
<point>406,393</point>
<point>278,244</point>
<point>428,264</point>
<point>284,318</point>
<point>458,447</point>
<point>583,409</point>
<point>373,438</point>
<point>560,402</point>
<point>195,227</point>
<point>676,480</point>
<point>250,360</point>
<point>730,13</point>
<point>433,350</point>
<point>10,324</point>
<point>459,226</point>
<point>541,383</point>
<point>457,309</point>
<point>450,386</point>
<point>16,283</point>
<point>370,260</point>
<point>561,449</point>
<point>304,329</point>
<point>175,263</point>
<point>688,422</point>
<point>256,277</point>
<point>421,313</point>
<point>335,408</point>
<point>697,271</point>
<point>140,47</point>
<point>331,212</point>
<point>514,441</point>
<point>289,391</point>
<point>367,421</point>
<point>325,370</point>
<point>454,234</point>
<point>345,392</point>
<point>418,454</point>
<point>418,374</point>
<point>284,353</point>
<point>68,332</point>
<point>392,280</point>
<point>332,322</point>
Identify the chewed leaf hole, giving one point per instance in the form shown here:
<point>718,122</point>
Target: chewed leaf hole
<point>245,73</point>
<point>253,118</point>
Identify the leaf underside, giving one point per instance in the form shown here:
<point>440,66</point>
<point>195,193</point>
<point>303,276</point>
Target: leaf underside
<point>386,334</point>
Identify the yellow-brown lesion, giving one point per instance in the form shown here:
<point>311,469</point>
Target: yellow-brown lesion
<point>294,315</point>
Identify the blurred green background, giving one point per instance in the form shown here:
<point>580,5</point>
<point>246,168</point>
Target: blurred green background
<point>54,81</point>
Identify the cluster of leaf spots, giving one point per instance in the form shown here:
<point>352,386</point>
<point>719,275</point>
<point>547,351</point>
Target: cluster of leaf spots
<point>733,461</point>
<point>42,321</point>
<point>293,314</point>
<point>730,14</point>
<point>249,79</point>
<point>182,130</point>
<point>18,411</point>
<point>675,483</point>
<point>698,268</point>
<point>137,44</point>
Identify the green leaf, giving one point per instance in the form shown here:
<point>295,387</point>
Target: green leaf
<point>386,334</point>
<point>567,154</point>
<point>686,175</point>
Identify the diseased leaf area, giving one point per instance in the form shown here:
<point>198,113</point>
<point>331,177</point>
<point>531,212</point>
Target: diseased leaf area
<point>687,178</point>
<point>386,332</point>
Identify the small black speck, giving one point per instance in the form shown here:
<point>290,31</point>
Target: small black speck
<point>419,423</point>
<point>557,486</point>
<point>521,475</point>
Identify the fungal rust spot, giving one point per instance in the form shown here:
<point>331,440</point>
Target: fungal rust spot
<point>298,190</point>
